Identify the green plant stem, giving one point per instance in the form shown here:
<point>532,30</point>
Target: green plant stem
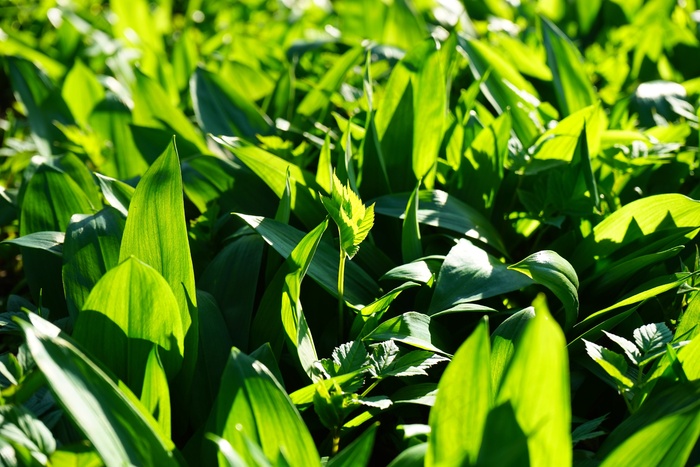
<point>371,386</point>
<point>341,293</point>
<point>336,442</point>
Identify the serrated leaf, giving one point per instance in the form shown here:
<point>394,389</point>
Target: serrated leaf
<point>414,364</point>
<point>353,219</point>
<point>630,349</point>
<point>349,357</point>
<point>613,363</point>
<point>652,337</point>
<point>383,355</point>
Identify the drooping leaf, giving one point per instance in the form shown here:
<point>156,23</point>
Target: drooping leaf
<point>410,328</point>
<point>469,274</point>
<point>554,272</point>
<point>45,240</point>
<point>109,418</point>
<point>155,394</point>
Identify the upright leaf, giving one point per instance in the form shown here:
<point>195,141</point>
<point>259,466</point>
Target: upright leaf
<point>251,404</point>
<point>130,310</point>
<point>464,398</point>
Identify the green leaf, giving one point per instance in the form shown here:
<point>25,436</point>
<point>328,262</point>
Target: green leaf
<point>156,233</point>
<point>410,328</point>
<point>413,364</point>
<point>537,386</point>
<point>349,357</point>
<point>505,88</point>
<point>153,108</point>
<point>273,170</point>
<point>504,442</point>
<point>353,219</point>
<point>630,348</point>
<point>571,82</point>
<point>652,337</point>
<point>411,457</point>
<point>635,220</point>
<point>359,287</point>
<point>222,110</point>
<point>252,404</point>
<point>464,398</point>
<point>91,249</point>
<point>411,247</point>
<point>319,97</point>
<point>81,91</point>
<point>554,272</point>
<point>111,419</point>
<point>439,209</point>
<point>155,394</point>
<point>20,427</point>
<point>613,363</point>
<point>44,240</point>
<point>117,193</point>
<point>469,274</point>
<point>129,310</point>
<point>504,340</point>
<point>232,278</point>
<point>356,453</point>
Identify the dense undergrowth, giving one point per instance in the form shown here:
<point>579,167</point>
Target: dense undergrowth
<point>348,233</point>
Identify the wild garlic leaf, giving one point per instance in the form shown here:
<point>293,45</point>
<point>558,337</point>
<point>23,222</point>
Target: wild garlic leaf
<point>630,349</point>
<point>349,357</point>
<point>652,337</point>
<point>353,218</point>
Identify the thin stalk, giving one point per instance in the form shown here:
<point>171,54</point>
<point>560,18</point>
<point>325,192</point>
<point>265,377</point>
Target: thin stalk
<point>336,442</point>
<point>341,293</point>
<point>371,386</point>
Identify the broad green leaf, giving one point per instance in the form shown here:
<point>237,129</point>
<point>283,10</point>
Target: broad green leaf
<point>222,110</point>
<point>129,310</point>
<point>135,21</point>
<point>554,272</point>
<point>155,394</point>
<point>571,82</point>
<point>411,457</point>
<point>413,364</point>
<point>481,170</point>
<point>156,233</point>
<point>662,432</point>
<point>232,278</point>
<point>111,120</point>
<point>668,441</point>
<point>153,108</point>
<point>81,91</point>
<point>356,453</point>
<point>107,416</point>
<point>439,209</point>
<point>13,47</point>
<point>410,328</point>
<point>469,274</point>
<point>214,345</point>
<point>504,442</point>
<point>374,176</point>
<point>319,97</point>
<point>537,386</point>
<point>629,347</point>
<point>359,287</point>
<point>273,171</point>
<point>421,271</point>
<point>45,240</point>
<point>504,340</point>
<point>91,249</point>
<point>464,398</point>
<point>505,88</point>
<point>635,220</point>
<point>349,357</point>
<point>252,404</point>
<point>43,104</point>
